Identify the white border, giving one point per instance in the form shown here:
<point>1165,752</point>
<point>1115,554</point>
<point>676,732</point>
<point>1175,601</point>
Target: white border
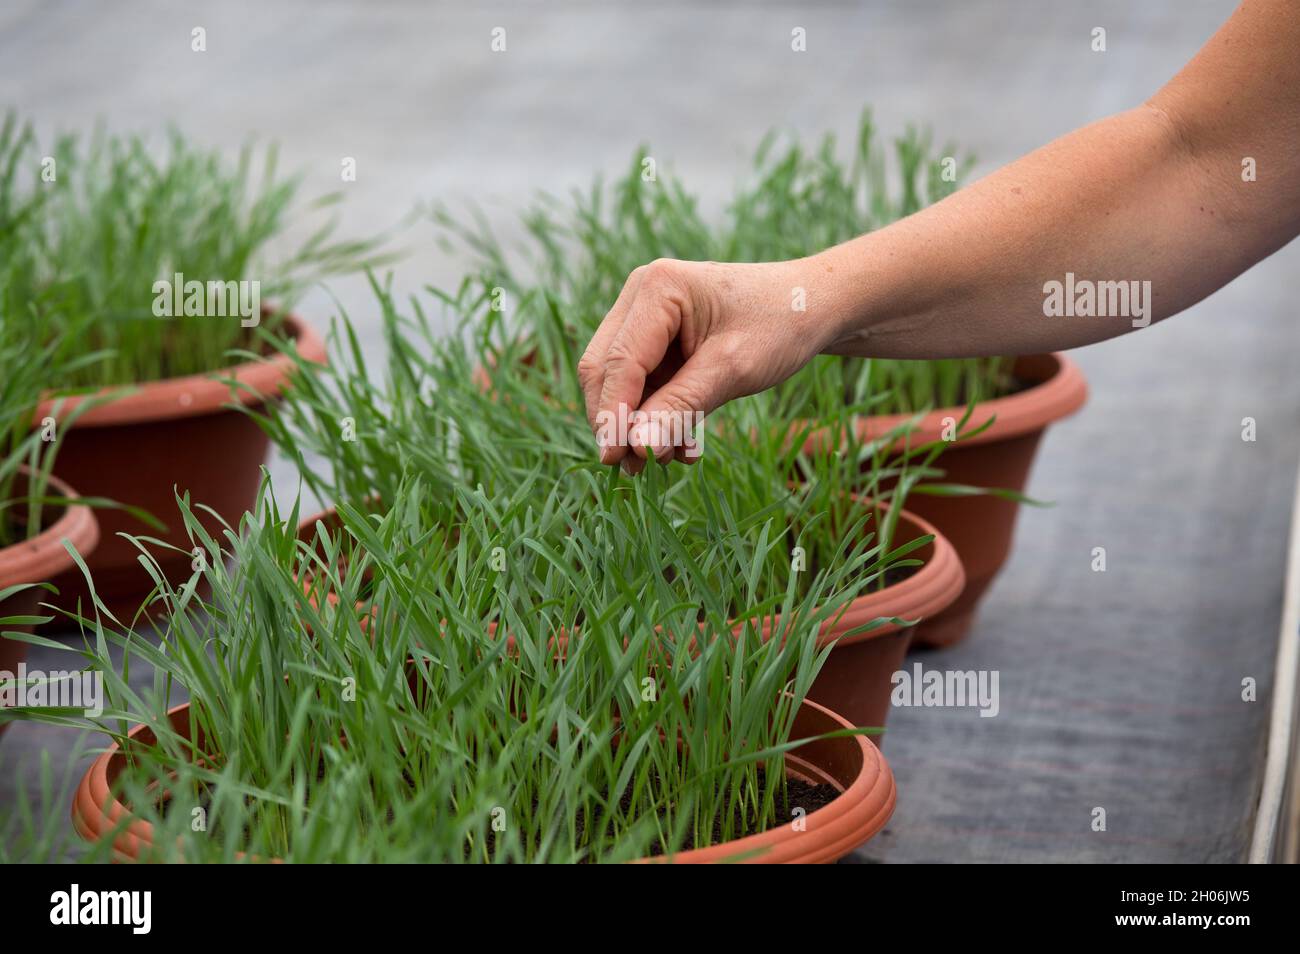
<point>1275,820</point>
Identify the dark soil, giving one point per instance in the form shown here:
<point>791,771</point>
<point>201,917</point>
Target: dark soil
<point>897,574</point>
<point>1014,386</point>
<point>13,521</point>
<point>892,575</point>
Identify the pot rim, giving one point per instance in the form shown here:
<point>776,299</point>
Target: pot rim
<point>859,812</point>
<point>194,394</point>
<point>43,556</point>
<point>1058,391</point>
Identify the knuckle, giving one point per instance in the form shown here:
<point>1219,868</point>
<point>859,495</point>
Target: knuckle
<point>685,396</point>
<point>588,368</point>
<point>662,271</point>
<point>620,354</point>
<point>632,283</point>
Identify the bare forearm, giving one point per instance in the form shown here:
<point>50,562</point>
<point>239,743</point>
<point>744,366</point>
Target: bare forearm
<point>1110,202</point>
<point>1142,197</point>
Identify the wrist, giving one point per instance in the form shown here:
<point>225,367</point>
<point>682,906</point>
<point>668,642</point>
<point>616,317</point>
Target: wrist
<point>837,291</point>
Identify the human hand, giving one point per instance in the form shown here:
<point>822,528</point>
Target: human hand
<point>686,337</point>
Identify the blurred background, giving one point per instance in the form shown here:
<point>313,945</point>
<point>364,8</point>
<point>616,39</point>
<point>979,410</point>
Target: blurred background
<point>1120,689</point>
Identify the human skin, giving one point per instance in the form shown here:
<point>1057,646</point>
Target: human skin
<point>1158,193</point>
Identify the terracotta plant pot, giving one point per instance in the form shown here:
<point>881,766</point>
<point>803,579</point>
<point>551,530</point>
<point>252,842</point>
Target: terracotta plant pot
<point>96,811</point>
<point>981,527</point>
<point>856,680</point>
<point>40,560</point>
<point>850,764</point>
<point>163,436</point>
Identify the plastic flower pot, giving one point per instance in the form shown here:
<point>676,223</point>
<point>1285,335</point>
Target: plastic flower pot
<point>999,457</point>
<point>856,679</point>
<point>850,764</point>
<point>39,560</point>
<point>96,812</point>
<point>179,434</point>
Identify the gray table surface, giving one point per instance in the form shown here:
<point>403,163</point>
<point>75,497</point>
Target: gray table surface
<point>1121,689</point>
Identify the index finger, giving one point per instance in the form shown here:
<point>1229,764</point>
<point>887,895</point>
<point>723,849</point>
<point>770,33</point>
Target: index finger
<point>637,349</point>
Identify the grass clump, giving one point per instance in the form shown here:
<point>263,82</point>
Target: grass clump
<point>91,223</point>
